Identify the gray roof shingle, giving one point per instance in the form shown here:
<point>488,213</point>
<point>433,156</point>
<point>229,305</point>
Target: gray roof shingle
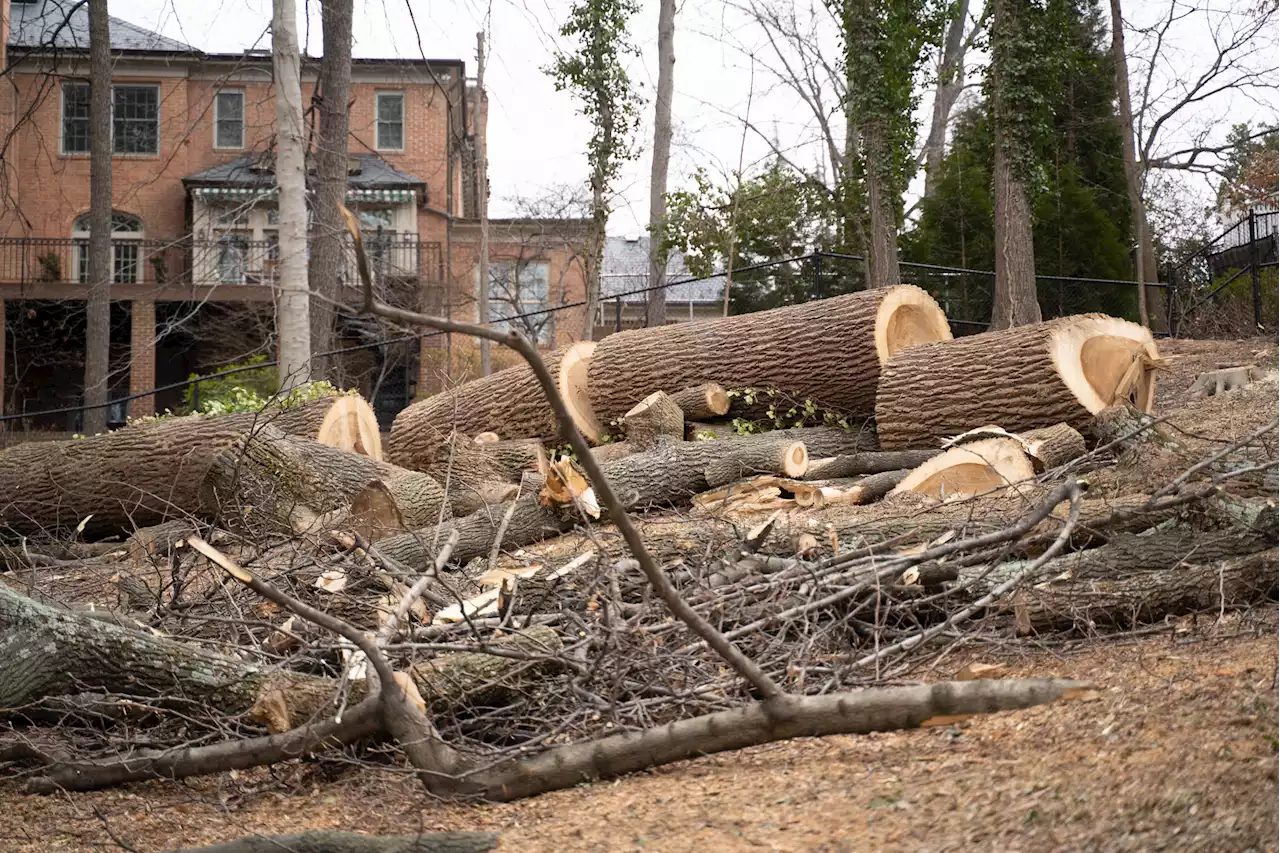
<point>374,173</point>
<point>626,268</point>
<point>64,25</point>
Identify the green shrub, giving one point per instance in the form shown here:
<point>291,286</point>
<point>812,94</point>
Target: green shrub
<point>247,391</point>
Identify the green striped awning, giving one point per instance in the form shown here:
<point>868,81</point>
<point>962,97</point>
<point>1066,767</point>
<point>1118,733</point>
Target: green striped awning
<point>266,194</point>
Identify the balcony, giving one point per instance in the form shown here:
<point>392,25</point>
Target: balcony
<point>230,268</point>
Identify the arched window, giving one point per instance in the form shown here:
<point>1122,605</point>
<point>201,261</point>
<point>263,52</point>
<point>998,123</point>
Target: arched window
<point>126,240</point>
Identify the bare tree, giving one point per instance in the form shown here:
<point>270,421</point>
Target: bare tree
<point>97,335</point>
<point>482,210</point>
<point>949,85</point>
<point>1132,169</point>
<point>656,303</point>
<point>292,316</point>
<point>328,235</point>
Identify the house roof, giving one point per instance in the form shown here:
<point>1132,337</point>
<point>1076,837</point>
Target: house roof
<point>64,25</point>
<point>626,268</point>
<point>368,171</point>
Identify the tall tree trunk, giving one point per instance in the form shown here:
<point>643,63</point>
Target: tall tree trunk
<point>328,230</point>
<point>882,257</point>
<point>656,303</point>
<point>482,211</point>
<point>950,82</point>
<point>599,221</point>
<point>293,325</point>
<point>97,334</point>
<point>1014,302</point>
<point>1132,173</point>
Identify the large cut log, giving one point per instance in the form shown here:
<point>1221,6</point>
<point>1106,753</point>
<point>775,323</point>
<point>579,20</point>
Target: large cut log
<point>518,455</point>
<point>970,469</point>
<point>474,475</point>
<point>345,421</point>
<point>509,403</point>
<point>1029,377</point>
<point>828,351</point>
<point>671,473</point>
<point>349,842</point>
<point>449,682</point>
<point>267,473</point>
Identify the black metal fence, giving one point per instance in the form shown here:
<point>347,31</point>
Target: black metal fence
<point>1228,286</point>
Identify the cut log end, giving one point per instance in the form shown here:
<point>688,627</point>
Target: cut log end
<point>970,469</point>
<point>795,460</point>
<point>1104,360</point>
<point>907,316</point>
<point>574,388</point>
<point>351,425</point>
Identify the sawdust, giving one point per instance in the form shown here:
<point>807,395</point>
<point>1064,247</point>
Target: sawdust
<point>1178,753</point>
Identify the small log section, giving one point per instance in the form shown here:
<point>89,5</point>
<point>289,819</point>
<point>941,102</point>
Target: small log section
<point>655,415</point>
<point>345,421</point>
<point>703,403</point>
<point>1025,378</point>
<point>833,351</point>
<point>509,403</point>
<point>1053,446</point>
<point>970,469</point>
<point>350,842</point>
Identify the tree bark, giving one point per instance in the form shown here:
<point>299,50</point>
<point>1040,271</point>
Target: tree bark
<point>656,299</point>
<point>703,402</point>
<point>1132,169</point>
<point>882,259</point>
<point>482,211</point>
<point>97,333</point>
<point>654,416</point>
<point>855,464</point>
<point>293,319</point>
<point>328,237</point>
<point>834,352</point>
<point>1030,377</point>
<point>509,403</point>
<point>1014,302</point>
<point>950,83</point>
<point>474,475</point>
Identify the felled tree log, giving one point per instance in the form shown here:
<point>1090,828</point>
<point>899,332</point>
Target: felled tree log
<point>509,403</point>
<point>345,421</point>
<point>474,475</point>
<point>970,469</point>
<point>613,451</point>
<point>1029,377</point>
<point>834,349</point>
<point>788,458</point>
<point>1053,446</point>
<point>1149,596</point>
<point>294,480</point>
<point>702,402</point>
<point>653,416</point>
<point>671,473</point>
<point>349,842</point>
<point>520,454</point>
<point>287,700</point>
<point>870,462</point>
<point>45,651</point>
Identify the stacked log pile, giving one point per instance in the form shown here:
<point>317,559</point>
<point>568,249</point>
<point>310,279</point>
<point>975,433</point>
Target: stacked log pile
<point>1015,483</point>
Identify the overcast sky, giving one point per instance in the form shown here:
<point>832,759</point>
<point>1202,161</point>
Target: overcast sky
<point>536,139</point>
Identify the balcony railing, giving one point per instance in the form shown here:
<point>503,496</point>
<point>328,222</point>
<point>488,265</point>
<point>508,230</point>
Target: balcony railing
<point>229,260</point>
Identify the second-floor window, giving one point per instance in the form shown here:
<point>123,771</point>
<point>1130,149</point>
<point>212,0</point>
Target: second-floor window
<point>390,120</point>
<point>135,119</point>
<point>228,119</point>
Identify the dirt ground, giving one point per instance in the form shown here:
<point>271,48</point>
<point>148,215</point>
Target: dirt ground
<point>1178,752</point>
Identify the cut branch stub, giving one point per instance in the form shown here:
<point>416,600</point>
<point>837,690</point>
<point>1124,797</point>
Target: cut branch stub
<point>828,351</point>
<point>509,403</point>
<point>653,416</point>
<point>1029,377</point>
<point>703,402</point>
<point>970,469</point>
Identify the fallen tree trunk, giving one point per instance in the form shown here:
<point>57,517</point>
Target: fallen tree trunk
<point>970,469</point>
<point>871,462</point>
<point>1029,377</point>
<point>509,403</point>
<point>474,475</point>
<point>834,348</point>
<point>345,421</point>
<point>703,402</point>
<point>1149,596</point>
<point>349,842</point>
<point>671,473</point>
<point>294,480</point>
<point>518,455</point>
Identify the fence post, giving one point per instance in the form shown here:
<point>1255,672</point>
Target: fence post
<point>195,396</point>
<point>817,275</point>
<point>1253,271</point>
<point>617,314</point>
<point>1171,302</point>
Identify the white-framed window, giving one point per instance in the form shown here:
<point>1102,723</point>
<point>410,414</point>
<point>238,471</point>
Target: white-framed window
<point>126,248</point>
<point>228,118</point>
<point>389,113</point>
<point>517,289</point>
<point>135,119</point>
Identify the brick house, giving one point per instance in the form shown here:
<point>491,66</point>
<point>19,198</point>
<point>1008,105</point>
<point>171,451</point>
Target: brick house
<point>194,242</point>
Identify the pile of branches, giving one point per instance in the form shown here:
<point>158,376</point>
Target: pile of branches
<point>509,623</point>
